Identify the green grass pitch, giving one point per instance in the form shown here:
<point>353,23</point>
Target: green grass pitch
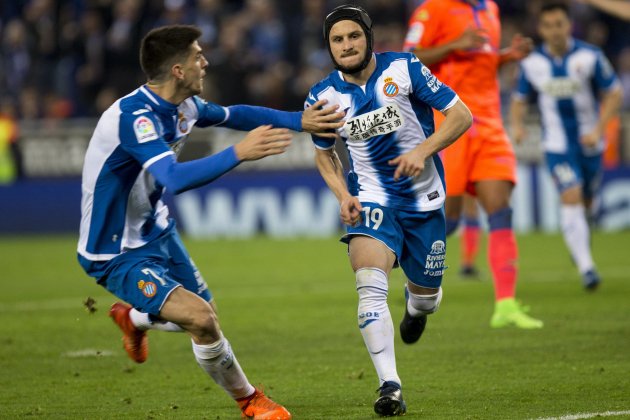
<point>289,310</point>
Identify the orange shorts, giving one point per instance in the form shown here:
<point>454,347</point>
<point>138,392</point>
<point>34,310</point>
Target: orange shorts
<point>483,153</point>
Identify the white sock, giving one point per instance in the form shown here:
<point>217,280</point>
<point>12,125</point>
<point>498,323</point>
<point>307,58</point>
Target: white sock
<point>577,235</point>
<point>220,363</point>
<point>375,322</point>
<point>418,305</point>
<point>142,321</point>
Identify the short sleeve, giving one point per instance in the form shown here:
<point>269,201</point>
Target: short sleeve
<point>421,31</point>
<point>427,88</point>
<point>210,113</point>
<point>604,75</point>
<point>140,138</point>
<point>320,142</point>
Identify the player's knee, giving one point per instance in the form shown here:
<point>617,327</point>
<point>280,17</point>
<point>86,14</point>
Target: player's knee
<point>500,219</point>
<point>205,323</point>
<point>426,304</point>
<point>451,226</point>
<point>371,284</point>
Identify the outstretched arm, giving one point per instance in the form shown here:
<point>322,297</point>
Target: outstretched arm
<point>316,119</point>
<point>458,120</point>
<point>179,177</point>
<point>618,8</point>
<point>330,168</point>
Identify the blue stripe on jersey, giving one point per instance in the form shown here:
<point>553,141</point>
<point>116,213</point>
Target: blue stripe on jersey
<point>111,195</point>
<point>566,107</point>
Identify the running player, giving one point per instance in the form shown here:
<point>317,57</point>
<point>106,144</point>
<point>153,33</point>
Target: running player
<point>563,72</point>
<point>393,201</point>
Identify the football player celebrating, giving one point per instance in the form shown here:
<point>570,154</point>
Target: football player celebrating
<point>393,201</point>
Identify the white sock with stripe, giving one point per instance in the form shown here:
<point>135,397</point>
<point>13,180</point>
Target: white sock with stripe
<point>375,322</point>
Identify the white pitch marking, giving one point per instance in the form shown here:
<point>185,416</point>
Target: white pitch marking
<point>88,353</point>
<point>579,416</point>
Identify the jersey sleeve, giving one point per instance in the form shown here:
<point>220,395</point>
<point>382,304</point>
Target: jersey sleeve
<point>427,88</point>
<point>604,75</point>
<point>140,138</point>
<point>320,142</point>
<point>209,114</point>
<point>523,87</point>
<point>422,31</point>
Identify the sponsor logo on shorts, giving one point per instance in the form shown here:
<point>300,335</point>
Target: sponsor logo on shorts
<point>433,195</point>
<point>390,89</point>
<point>149,289</point>
<point>434,265</point>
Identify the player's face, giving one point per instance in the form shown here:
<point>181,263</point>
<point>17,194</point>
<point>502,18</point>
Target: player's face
<point>555,28</point>
<point>194,70</point>
<point>348,45</point>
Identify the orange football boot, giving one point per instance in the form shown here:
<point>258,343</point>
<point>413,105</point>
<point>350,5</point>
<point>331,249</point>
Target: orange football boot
<point>135,341</point>
<point>259,407</point>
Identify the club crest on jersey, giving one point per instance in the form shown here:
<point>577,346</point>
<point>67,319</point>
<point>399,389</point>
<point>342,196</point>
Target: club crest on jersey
<point>390,89</point>
<point>183,123</point>
<point>144,129</point>
<point>381,121</point>
<point>148,288</point>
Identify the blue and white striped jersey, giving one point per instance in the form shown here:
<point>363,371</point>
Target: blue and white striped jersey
<point>567,89</point>
<point>121,206</point>
<point>387,117</point>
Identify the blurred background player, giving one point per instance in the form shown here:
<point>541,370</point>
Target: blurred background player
<point>459,40</point>
<point>128,242</point>
<point>392,204</point>
<point>563,72</point>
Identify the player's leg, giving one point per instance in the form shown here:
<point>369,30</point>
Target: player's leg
<point>494,197</point>
<point>422,259</point>
<point>214,353</point>
<point>453,208</point>
<point>182,269</point>
<point>373,246</point>
<point>569,174</point>
<point>470,237</point>
<point>372,262</point>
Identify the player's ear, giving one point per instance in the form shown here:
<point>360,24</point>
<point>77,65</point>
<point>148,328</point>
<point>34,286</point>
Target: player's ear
<point>177,71</point>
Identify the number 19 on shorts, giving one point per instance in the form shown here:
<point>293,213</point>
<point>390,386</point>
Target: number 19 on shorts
<point>372,217</point>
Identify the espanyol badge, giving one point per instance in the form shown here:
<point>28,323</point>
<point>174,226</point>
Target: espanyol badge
<point>390,89</point>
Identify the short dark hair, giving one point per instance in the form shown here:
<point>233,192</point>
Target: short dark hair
<point>555,5</point>
<point>163,46</point>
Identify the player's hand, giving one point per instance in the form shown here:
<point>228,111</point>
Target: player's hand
<point>350,210</point>
<point>263,141</point>
<point>591,139</point>
<point>521,46</point>
<point>408,164</point>
<point>322,121</point>
<point>518,133</point>
<point>471,39</point>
